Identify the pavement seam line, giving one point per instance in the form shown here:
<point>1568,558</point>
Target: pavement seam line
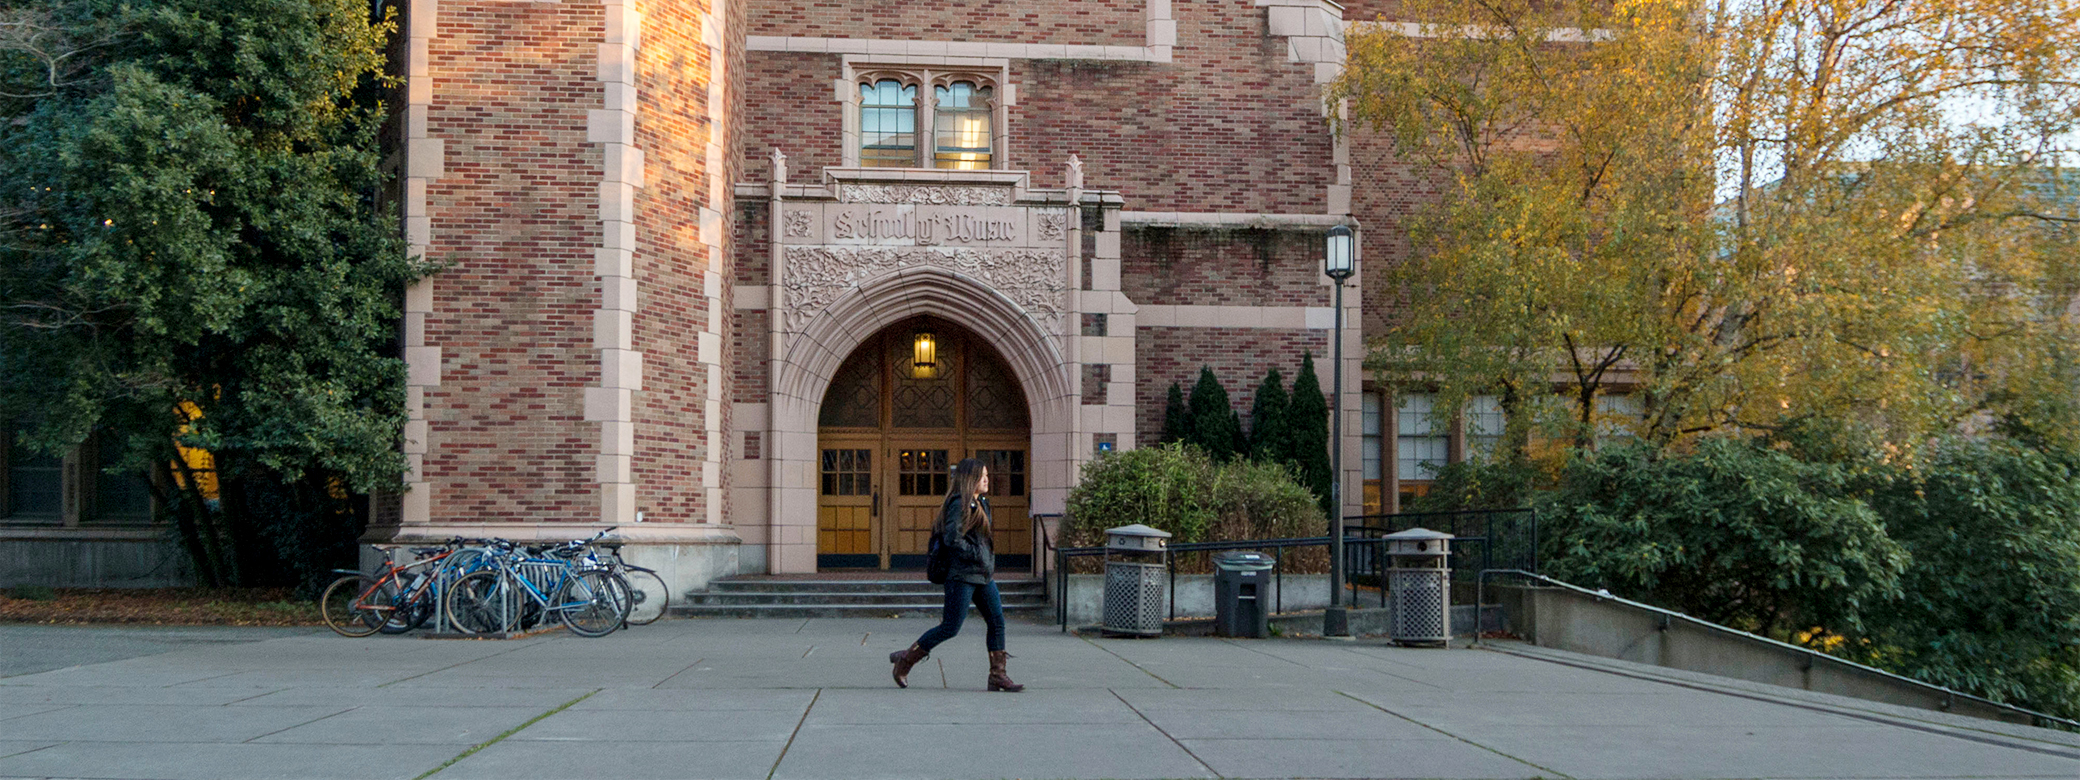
<point>252,697</point>
<point>1928,727</point>
<point>34,749</point>
<point>61,708</point>
<point>1166,735</point>
<point>508,732</point>
<point>942,673</point>
<point>453,665</point>
<point>1556,772</point>
<point>305,723</point>
<point>805,653</point>
<point>1108,651</point>
<point>660,683</point>
<point>1233,643</point>
<point>791,735</point>
<point>1844,710</point>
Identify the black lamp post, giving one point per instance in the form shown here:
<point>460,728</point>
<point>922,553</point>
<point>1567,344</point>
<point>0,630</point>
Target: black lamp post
<point>1339,261</point>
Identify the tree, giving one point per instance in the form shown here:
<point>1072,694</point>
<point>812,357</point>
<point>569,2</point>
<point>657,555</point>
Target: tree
<point>1307,431</point>
<point>1729,530</point>
<point>1267,420</point>
<point>1991,604</point>
<point>1215,427</point>
<point>195,252</point>
<point>1177,417</point>
<point>1758,210</point>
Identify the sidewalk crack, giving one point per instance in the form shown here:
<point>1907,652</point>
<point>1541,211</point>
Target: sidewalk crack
<point>792,734</point>
<point>509,732</point>
<point>660,683</point>
<point>1556,772</point>
<point>1166,735</point>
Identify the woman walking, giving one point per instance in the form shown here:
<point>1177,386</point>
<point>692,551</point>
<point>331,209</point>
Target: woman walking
<point>964,529</point>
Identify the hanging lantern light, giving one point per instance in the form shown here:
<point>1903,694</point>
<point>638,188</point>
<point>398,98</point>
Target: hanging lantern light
<point>924,358</point>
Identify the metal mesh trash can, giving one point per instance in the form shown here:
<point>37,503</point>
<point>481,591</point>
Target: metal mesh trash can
<point>1421,585</point>
<point>1240,591</point>
<point>1137,562</point>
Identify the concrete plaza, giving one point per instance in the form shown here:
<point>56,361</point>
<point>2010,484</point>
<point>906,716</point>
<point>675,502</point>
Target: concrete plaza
<point>792,699</point>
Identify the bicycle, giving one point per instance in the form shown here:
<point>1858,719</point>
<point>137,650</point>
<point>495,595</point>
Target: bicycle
<point>590,598</point>
<point>648,595</point>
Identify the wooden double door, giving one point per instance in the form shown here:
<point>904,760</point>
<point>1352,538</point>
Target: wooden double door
<point>891,432</point>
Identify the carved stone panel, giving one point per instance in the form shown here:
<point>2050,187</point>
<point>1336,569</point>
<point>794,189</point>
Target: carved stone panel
<point>924,194</point>
<point>818,276</point>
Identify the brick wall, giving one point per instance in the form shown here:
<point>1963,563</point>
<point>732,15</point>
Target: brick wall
<point>1239,358</point>
<point>514,217</point>
<point>789,105</point>
<point>672,128</point>
<point>1195,267</point>
<point>1007,21</point>
<point>752,227</point>
<point>748,356</point>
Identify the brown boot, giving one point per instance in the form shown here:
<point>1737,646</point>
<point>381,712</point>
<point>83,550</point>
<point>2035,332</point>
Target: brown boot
<point>904,659</point>
<point>998,680</point>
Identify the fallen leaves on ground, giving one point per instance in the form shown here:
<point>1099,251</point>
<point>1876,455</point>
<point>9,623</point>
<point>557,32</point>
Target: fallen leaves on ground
<point>163,606</point>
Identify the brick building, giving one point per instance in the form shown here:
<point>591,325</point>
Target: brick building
<point>745,278</point>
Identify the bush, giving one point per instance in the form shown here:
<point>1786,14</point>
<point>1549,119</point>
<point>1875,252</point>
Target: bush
<point>1178,488</point>
<point>1730,531</point>
<point>1991,604</point>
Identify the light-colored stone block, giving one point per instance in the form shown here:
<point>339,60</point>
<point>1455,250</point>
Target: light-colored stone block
<point>1339,199</point>
<point>624,25</point>
<point>617,437</point>
<point>1108,244</point>
<point>1283,21</point>
<point>617,503</point>
<point>603,404</point>
<point>618,235</point>
<point>621,368</point>
<point>419,296</point>
<point>423,366</point>
<point>617,291</point>
<point>613,468</point>
<point>617,63</point>
<point>621,98</point>
<point>415,437</point>
<point>624,164</point>
<point>617,201</point>
<point>425,158</point>
<point>610,127</point>
<point>419,90</point>
<point>418,503</point>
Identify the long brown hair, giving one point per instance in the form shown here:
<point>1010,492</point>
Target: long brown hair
<point>966,484</point>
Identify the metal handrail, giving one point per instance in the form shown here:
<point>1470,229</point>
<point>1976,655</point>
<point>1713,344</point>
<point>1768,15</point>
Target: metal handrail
<point>1480,601</point>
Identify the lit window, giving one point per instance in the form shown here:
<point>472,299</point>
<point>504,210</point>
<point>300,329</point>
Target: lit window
<point>961,117</point>
<point>887,124</point>
<point>1484,423</point>
<point>920,118</point>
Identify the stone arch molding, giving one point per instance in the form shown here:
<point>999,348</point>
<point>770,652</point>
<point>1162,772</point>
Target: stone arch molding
<point>832,329</point>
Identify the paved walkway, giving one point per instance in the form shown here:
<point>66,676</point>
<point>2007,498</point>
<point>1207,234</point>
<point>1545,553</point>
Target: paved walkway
<point>811,699</point>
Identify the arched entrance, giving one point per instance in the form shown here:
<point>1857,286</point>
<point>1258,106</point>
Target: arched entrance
<point>904,407</point>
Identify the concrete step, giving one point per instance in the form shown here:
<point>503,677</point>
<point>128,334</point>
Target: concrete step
<point>722,598</point>
<point>801,611</point>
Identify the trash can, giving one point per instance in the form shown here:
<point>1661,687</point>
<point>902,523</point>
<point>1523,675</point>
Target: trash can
<point>1137,562</point>
<point>1421,586</point>
<point>1241,589</point>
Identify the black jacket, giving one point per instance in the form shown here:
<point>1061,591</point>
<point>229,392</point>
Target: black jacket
<point>974,561</point>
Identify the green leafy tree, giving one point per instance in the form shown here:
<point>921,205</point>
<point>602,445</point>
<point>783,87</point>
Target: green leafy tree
<point>1215,427</point>
<point>1729,531</point>
<point>1757,211</point>
<point>193,248</point>
<point>1177,417</point>
<point>1307,432</point>
<point>1991,604</point>
<point>1267,420</point>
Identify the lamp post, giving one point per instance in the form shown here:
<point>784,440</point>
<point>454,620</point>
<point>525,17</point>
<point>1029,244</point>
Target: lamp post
<point>1339,261</point>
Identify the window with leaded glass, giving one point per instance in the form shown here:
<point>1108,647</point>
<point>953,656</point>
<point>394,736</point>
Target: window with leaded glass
<point>961,119</point>
<point>887,124</point>
<point>921,472</point>
<point>1007,471</point>
<point>848,472</point>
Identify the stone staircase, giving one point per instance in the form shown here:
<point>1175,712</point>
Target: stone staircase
<point>763,597</point>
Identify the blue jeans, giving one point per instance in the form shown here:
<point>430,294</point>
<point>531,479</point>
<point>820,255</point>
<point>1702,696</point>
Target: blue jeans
<point>958,595</point>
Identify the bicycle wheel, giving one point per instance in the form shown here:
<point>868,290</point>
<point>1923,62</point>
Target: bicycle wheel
<point>409,612</point>
<point>647,597</point>
<point>345,610</point>
<point>594,602</point>
<point>481,602</point>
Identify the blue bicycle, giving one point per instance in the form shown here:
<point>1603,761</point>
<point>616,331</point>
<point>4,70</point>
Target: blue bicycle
<point>522,587</point>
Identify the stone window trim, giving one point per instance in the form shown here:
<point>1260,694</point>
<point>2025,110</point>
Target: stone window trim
<point>927,75</point>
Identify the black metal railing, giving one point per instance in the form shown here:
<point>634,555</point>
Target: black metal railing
<point>1508,535</point>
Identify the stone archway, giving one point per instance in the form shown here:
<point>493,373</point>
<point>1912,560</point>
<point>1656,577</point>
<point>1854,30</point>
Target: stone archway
<point>811,351</point>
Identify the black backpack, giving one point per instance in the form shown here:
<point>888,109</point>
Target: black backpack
<point>938,560</point>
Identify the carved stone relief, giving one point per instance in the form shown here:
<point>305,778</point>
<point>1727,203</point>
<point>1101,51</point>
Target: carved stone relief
<point>817,276</point>
<point>1051,225</point>
<point>925,194</point>
<point>798,223</point>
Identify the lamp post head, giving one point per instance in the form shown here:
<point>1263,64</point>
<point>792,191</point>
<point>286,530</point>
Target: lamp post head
<point>1339,254</point>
